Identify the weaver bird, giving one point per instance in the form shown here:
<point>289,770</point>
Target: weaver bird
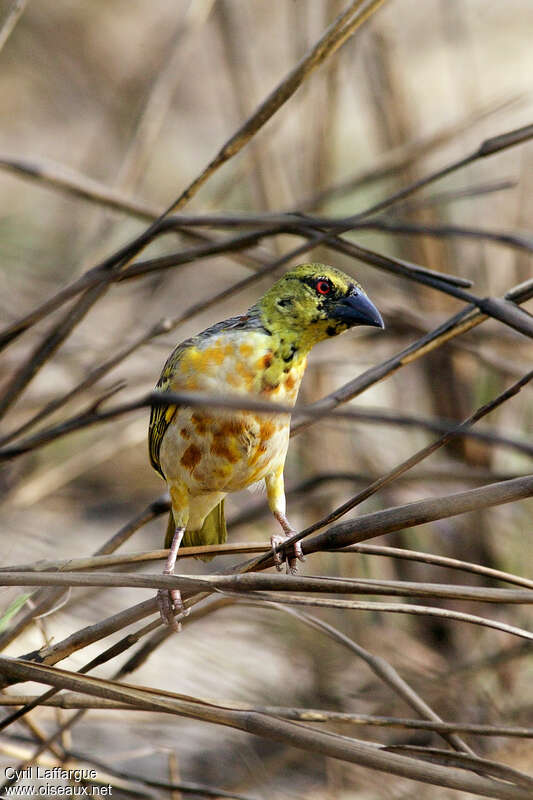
<point>203,454</point>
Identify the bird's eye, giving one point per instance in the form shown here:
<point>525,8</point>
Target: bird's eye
<point>323,287</point>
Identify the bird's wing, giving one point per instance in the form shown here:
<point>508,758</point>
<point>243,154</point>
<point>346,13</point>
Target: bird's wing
<point>162,416</point>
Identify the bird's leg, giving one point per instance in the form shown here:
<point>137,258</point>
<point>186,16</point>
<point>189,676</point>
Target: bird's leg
<point>276,500</point>
<point>294,552</point>
<point>169,600</point>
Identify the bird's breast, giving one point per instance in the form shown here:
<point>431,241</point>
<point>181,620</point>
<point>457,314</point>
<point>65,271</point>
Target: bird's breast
<point>215,451</point>
<point>211,450</point>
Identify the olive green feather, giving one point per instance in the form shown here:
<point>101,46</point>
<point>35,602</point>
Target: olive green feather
<point>213,531</point>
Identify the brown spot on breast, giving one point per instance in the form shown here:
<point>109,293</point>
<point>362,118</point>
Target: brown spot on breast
<point>222,448</point>
<point>290,382</point>
<point>191,457</point>
<point>266,429</point>
<point>200,422</point>
<point>185,433</point>
<point>265,361</point>
<point>231,427</point>
<point>225,440</point>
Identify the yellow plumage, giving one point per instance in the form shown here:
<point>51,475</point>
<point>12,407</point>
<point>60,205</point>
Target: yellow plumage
<point>204,454</point>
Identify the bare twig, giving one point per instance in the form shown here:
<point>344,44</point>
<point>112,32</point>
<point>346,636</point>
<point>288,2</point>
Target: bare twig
<point>300,735</point>
<point>12,16</point>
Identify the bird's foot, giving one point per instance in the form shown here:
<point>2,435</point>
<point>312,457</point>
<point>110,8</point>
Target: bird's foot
<point>170,603</point>
<point>291,556</point>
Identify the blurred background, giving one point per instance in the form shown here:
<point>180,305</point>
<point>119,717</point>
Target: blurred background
<point>137,97</point>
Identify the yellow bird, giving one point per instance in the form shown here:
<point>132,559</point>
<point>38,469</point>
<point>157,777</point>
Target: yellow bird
<point>203,454</point>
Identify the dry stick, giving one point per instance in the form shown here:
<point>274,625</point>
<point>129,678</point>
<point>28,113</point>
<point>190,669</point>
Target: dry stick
<point>496,308</point>
<point>98,281</point>
<point>439,561</point>
<point>315,233</point>
<point>298,735</point>
<point>410,462</point>
<point>379,666</point>
<point>448,473</point>
<point>132,663</point>
<point>74,183</point>
<point>392,519</point>
<point>252,582</point>
<point>74,701</point>
<point>162,327</point>
<point>124,644</point>
<point>388,225</point>
<point>46,600</point>
<point>340,30</point>
<point>411,271</point>
<point>67,180</point>
<point>74,643</point>
<point>489,147</point>
<point>353,531</point>
<point>450,195</point>
<point>123,559</point>
<point>356,13</point>
<point>11,18</point>
<point>437,756</point>
<point>401,158</point>
<point>92,416</point>
<point>394,608</point>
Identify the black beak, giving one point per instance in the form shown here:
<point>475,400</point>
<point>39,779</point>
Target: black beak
<point>357,309</point>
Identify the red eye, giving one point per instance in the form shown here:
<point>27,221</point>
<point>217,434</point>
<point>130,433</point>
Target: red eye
<point>323,287</point>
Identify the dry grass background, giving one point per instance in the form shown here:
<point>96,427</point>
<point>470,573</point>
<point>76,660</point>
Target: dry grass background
<point>128,101</point>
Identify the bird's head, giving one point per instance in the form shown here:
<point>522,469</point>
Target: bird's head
<point>313,302</point>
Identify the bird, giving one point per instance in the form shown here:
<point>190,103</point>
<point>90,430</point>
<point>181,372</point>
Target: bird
<point>206,453</point>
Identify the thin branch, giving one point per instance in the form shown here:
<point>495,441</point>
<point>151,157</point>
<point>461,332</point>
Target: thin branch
<point>93,416</point>
<point>298,735</point>
<point>396,518</point>
<point>13,14</point>
<point>356,13</point>
<point>353,531</point>
<point>406,155</point>
<point>507,238</point>
<point>44,601</point>
<point>439,561</point>
<point>75,701</point>
<point>340,30</point>
<point>393,608</point>
<point>251,582</point>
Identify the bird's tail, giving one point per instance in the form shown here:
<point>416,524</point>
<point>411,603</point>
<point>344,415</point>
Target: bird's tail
<point>213,531</point>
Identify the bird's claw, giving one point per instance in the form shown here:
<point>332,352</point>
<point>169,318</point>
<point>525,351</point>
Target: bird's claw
<point>291,556</point>
<point>170,603</point>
